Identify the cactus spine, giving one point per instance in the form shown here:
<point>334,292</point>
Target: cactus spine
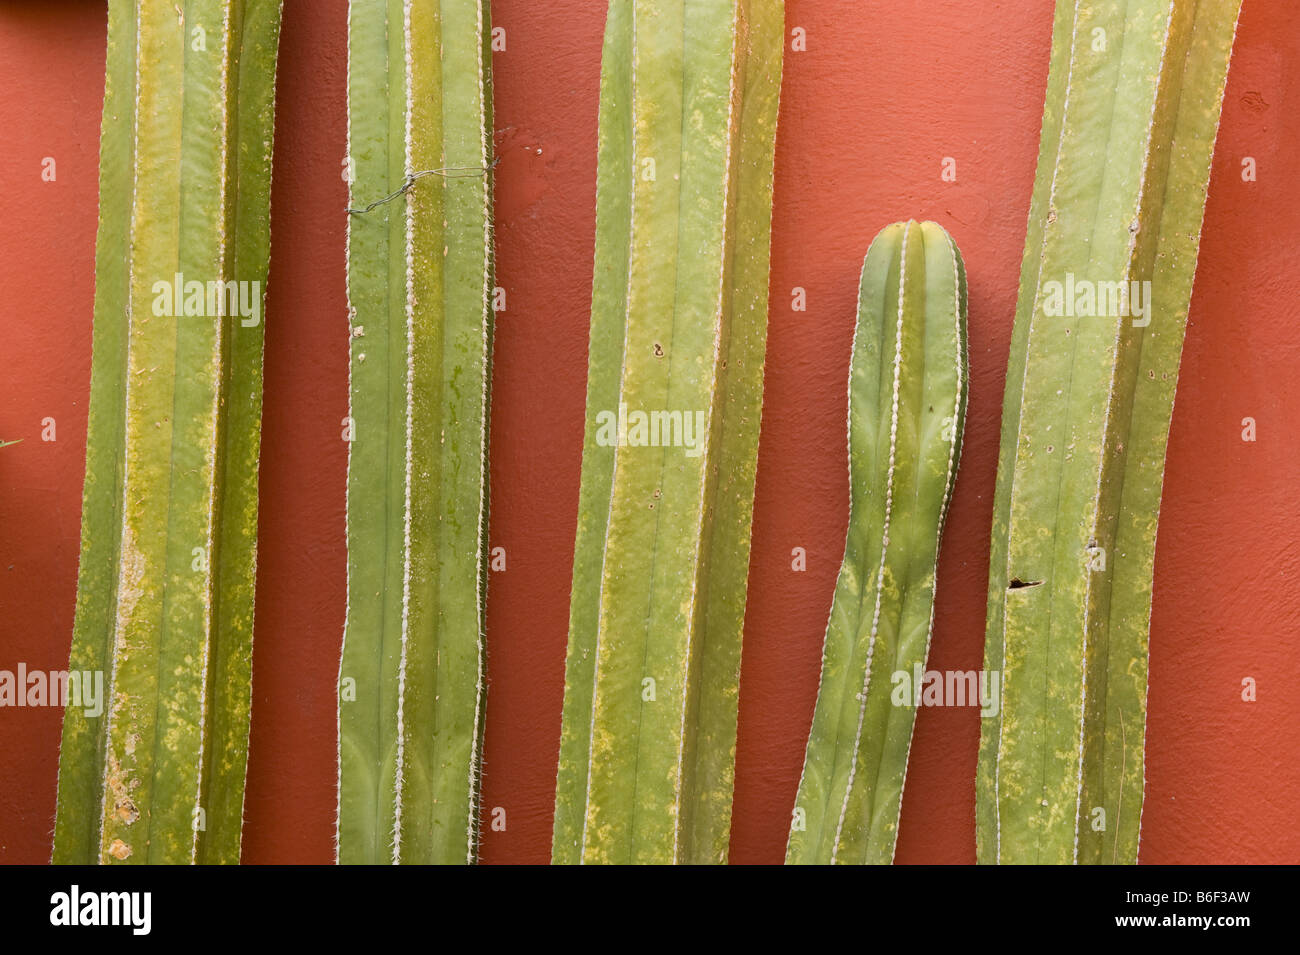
<point>907,409</point>
<point>689,95</point>
<point>169,519</point>
<point>1132,112</point>
<point>419,282</point>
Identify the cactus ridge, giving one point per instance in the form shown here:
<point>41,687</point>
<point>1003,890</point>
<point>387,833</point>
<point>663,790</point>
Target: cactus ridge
<point>419,256</point>
<point>689,96</point>
<point>1133,104</point>
<point>169,516</point>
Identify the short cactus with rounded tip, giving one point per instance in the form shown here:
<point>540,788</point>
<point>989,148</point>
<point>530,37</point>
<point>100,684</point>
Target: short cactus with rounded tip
<point>907,409</point>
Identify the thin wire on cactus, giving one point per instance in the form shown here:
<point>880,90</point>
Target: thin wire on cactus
<point>448,172</point>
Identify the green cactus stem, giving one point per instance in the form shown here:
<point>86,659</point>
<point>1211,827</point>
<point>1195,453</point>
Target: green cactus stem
<point>419,261</point>
<point>169,518</point>
<point>907,410</point>
<point>1129,125</point>
<point>689,95</point>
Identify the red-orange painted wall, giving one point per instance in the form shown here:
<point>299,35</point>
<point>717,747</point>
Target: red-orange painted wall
<point>883,94</point>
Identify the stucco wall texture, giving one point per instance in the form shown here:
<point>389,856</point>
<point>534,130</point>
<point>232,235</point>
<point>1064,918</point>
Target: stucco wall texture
<point>883,93</point>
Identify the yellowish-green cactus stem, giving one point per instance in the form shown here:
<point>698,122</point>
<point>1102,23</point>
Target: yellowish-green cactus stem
<point>1132,112</point>
<point>169,519</point>
<point>689,93</point>
<point>907,409</point>
<point>411,682</point>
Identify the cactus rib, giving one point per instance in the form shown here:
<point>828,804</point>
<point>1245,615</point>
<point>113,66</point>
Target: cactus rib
<point>689,96</point>
<point>419,282</point>
<point>1086,422</point>
<point>907,408</point>
<point>168,548</point>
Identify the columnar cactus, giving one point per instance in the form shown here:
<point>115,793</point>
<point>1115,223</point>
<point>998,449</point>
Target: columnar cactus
<point>169,519</point>
<point>907,409</point>
<point>689,94</point>
<point>411,682</point>
<point>1132,112</point>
